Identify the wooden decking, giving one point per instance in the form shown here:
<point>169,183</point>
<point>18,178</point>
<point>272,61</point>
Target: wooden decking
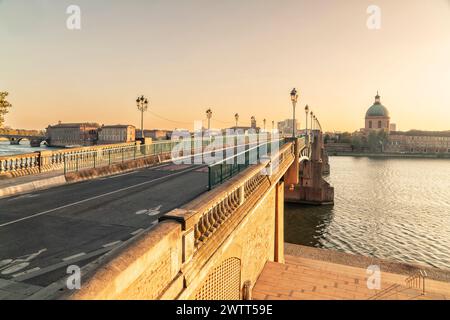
<point>308,279</point>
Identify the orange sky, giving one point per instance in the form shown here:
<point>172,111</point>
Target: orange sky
<point>232,56</point>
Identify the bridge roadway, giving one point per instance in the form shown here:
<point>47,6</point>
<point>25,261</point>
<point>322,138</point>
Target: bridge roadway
<point>41,234</point>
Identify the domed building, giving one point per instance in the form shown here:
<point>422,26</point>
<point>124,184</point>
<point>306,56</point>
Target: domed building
<point>377,117</point>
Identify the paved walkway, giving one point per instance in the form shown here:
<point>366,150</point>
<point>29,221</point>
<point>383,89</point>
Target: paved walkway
<point>30,183</point>
<point>8,182</point>
<point>309,279</point>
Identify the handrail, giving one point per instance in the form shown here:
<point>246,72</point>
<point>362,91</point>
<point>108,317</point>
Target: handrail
<point>207,216</point>
<point>417,280</point>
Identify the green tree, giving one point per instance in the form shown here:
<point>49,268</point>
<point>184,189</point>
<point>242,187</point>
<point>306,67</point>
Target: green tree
<point>376,141</point>
<point>357,143</point>
<point>4,106</point>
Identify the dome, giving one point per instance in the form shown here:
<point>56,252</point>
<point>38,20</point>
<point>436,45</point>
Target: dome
<point>377,109</point>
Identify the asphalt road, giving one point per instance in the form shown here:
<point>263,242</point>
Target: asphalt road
<point>44,232</point>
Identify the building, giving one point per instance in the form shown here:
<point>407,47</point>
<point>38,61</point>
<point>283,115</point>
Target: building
<point>72,134</point>
<point>155,134</point>
<point>116,134</point>
<point>377,117</point>
<point>285,128</point>
<point>416,141</point>
<point>392,127</point>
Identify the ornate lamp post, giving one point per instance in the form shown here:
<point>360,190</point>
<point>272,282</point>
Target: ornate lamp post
<point>142,105</point>
<point>236,117</point>
<point>306,121</point>
<point>294,99</point>
<point>209,116</point>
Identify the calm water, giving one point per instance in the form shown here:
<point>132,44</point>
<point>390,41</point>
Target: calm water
<point>24,147</point>
<point>395,209</point>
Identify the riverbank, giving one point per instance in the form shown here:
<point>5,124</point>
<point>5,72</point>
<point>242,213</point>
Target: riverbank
<point>361,261</point>
<point>318,274</point>
<point>392,155</point>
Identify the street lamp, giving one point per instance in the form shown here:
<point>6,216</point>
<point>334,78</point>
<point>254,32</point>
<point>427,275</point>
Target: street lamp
<point>142,105</point>
<point>264,121</point>
<point>306,122</point>
<point>236,117</point>
<point>273,125</point>
<point>294,99</point>
<point>209,116</point>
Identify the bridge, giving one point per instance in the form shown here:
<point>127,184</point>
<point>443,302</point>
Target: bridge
<point>157,230</point>
<point>15,139</point>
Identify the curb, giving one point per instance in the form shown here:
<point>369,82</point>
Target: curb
<point>33,186</point>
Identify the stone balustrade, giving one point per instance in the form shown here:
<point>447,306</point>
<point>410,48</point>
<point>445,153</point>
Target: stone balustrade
<point>44,161</point>
<point>29,162</point>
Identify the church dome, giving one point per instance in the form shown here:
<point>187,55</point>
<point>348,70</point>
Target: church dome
<point>377,109</point>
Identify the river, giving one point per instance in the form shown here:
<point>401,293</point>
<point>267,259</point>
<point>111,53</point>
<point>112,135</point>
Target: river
<point>7,149</point>
<point>397,209</point>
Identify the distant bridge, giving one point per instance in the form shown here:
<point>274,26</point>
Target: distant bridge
<point>14,139</point>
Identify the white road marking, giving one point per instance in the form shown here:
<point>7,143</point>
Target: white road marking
<point>111,244</point>
<point>61,264</point>
<point>154,222</point>
<point>15,268</point>
<point>137,231</point>
<point>26,272</point>
<point>9,266</point>
<point>25,196</point>
<point>118,175</point>
<point>150,212</point>
<point>74,256</point>
<point>96,197</point>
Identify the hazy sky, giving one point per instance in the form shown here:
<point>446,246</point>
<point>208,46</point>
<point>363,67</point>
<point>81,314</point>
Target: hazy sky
<point>231,55</point>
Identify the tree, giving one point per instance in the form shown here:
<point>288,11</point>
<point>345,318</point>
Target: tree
<point>4,106</point>
<point>377,140</point>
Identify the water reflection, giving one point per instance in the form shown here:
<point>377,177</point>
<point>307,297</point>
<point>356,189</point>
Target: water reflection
<point>307,225</point>
<point>396,209</point>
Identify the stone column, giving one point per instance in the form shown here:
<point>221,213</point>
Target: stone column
<point>279,222</point>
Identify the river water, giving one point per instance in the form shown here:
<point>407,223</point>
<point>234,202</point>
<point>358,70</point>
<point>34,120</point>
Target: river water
<point>397,209</point>
<point>7,149</point>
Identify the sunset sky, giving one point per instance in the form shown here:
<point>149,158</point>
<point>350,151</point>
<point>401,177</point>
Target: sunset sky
<point>229,55</point>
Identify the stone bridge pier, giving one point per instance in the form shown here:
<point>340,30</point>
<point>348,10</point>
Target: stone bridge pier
<point>304,180</point>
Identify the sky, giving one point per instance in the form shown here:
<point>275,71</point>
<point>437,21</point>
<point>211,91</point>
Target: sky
<point>228,55</point>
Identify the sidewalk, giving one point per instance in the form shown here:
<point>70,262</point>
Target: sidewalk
<point>30,183</point>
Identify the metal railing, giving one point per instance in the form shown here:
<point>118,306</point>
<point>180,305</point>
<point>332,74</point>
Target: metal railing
<point>210,217</point>
<point>83,160</point>
<point>90,159</point>
<point>223,170</point>
<point>417,281</point>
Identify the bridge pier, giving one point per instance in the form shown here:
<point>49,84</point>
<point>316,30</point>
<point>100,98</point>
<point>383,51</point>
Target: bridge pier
<point>304,181</point>
<point>35,143</point>
<point>14,141</point>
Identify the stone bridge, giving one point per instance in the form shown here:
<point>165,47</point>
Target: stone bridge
<point>14,139</point>
<point>216,246</point>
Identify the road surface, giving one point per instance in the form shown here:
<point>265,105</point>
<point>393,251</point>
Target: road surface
<point>44,232</point>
